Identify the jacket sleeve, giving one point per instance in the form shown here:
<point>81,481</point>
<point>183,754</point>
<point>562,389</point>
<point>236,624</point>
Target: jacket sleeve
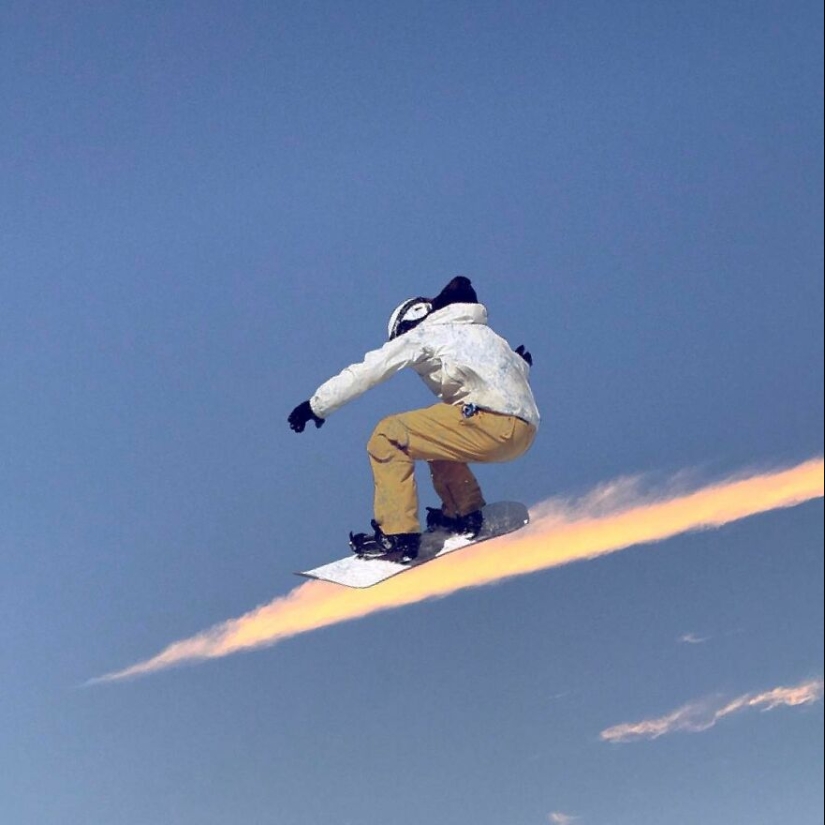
<point>377,366</point>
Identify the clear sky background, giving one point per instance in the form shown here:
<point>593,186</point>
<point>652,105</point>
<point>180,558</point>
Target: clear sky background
<point>207,209</point>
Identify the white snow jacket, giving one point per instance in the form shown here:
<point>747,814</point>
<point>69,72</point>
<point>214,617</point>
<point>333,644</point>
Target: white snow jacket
<point>458,357</point>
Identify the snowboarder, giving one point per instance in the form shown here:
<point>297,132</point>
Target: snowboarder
<point>486,413</point>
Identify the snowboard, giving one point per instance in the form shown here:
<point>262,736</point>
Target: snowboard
<point>500,518</point>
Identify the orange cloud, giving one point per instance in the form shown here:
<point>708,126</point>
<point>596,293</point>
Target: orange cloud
<point>612,518</point>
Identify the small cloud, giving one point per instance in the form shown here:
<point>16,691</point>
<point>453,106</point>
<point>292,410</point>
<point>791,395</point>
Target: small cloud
<point>693,639</point>
<point>558,818</point>
<point>701,715</point>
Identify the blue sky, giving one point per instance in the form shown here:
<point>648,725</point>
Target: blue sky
<point>206,211</point>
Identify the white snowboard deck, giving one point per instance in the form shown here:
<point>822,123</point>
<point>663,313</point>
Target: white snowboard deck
<point>499,518</point>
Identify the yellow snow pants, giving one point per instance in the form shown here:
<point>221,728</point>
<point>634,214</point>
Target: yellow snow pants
<point>443,437</point>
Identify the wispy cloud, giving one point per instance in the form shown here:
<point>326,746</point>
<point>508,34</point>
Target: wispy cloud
<point>558,818</point>
<point>693,639</point>
<point>703,714</point>
<point>612,518</point>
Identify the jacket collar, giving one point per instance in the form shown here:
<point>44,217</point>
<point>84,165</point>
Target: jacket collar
<point>458,314</point>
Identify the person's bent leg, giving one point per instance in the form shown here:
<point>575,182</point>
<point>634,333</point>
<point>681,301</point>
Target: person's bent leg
<point>395,501</point>
<point>457,487</point>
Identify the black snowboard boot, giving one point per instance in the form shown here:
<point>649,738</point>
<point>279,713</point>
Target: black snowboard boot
<point>398,547</point>
<point>469,525</point>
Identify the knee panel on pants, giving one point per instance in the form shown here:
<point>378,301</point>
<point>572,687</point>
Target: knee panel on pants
<point>388,441</point>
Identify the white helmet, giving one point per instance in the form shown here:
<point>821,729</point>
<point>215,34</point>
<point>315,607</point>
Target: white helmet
<point>408,315</point>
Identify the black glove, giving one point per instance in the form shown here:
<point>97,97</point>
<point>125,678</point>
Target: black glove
<point>524,354</point>
<point>301,415</point>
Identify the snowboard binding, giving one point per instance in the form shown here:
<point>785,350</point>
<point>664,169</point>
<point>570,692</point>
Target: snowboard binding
<point>469,525</point>
<point>401,548</point>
